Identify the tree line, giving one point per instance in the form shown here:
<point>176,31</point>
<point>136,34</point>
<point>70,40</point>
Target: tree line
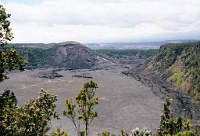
<point>123,53</point>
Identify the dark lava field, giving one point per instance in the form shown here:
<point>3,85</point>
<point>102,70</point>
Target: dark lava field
<point>124,103</point>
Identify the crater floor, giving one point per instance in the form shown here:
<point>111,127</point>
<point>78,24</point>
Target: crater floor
<point>124,103</point>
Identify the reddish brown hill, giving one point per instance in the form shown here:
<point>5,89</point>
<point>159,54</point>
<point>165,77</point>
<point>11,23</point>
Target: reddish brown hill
<point>71,55</point>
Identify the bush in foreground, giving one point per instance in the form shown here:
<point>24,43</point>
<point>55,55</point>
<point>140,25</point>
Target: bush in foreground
<point>30,120</point>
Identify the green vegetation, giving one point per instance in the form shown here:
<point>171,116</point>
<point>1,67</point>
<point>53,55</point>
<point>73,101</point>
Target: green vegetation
<point>181,63</point>
<point>170,126</point>
<point>178,76</point>
<point>142,54</point>
<point>194,89</point>
<point>59,132</point>
<point>135,132</point>
<point>30,120</point>
<point>9,58</point>
<point>33,56</point>
<point>86,102</point>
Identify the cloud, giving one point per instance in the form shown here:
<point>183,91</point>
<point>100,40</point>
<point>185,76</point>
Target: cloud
<point>102,20</point>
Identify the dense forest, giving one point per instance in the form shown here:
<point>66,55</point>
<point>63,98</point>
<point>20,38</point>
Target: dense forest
<point>180,65</point>
<point>33,56</point>
<point>142,54</point>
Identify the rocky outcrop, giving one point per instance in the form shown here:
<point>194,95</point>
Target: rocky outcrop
<point>48,74</point>
<point>72,55</point>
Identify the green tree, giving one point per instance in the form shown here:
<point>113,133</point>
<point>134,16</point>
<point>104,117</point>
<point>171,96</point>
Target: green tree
<point>170,126</point>
<point>135,132</point>
<point>9,58</point>
<point>30,120</point>
<point>86,102</point>
<point>33,118</point>
<point>8,106</point>
<point>59,132</point>
<point>144,132</point>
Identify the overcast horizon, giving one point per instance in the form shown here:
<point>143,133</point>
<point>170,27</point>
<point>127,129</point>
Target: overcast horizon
<point>103,21</point>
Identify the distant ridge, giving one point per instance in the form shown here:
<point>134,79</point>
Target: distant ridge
<point>111,45</point>
<point>134,45</point>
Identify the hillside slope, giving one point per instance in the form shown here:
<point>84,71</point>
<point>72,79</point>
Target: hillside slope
<point>175,72</point>
<point>71,55</point>
<point>179,64</point>
<point>68,55</point>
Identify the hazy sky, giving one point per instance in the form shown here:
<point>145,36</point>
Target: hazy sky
<point>103,20</point>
